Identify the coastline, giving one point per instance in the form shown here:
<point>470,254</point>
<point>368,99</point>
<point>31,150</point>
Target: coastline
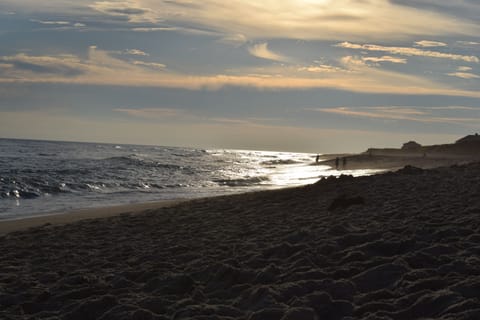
<point>397,245</point>
<point>392,163</point>
<point>71,216</point>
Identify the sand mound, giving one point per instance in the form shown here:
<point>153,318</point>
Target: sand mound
<point>400,245</point>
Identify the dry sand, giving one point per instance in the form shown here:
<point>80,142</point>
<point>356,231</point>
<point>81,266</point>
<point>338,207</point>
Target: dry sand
<point>401,245</point>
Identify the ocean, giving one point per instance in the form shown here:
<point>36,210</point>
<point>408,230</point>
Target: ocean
<point>41,177</point>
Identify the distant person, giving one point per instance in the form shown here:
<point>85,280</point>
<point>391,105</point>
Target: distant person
<point>344,162</point>
<point>337,161</point>
<point>317,158</point>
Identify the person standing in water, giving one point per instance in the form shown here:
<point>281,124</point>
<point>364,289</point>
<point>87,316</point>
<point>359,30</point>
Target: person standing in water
<point>337,161</point>
<point>317,158</point>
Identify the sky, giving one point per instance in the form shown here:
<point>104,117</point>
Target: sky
<point>289,75</point>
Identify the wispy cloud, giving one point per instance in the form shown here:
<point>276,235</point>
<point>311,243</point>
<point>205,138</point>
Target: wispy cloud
<point>469,43</point>
<point>464,68</point>
<point>49,22</point>
<point>236,39</point>
<point>428,44</point>
<point>149,64</point>
<point>135,52</point>
<point>131,10</point>
<point>322,68</point>
<point>149,113</point>
<point>464,75</point>
<point>261,50</point>
<point>424,115</point>
<point>60,24</point>
<point>385,59</point>
<point>22,64</point>
<point>408,51</point>
<point>101,68</point>
<point>463,72</point>
<point>305,19</point>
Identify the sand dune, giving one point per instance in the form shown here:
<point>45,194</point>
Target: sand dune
<point>401,245</point>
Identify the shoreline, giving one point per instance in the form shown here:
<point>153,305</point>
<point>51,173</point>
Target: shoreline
<point>70,216</point>
<point>355,162</point>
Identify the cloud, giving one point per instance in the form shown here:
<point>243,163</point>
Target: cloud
<point>464,75</point>
<point>154,29</point>
<point>149,64</point>
<point>261,51</point>
<point>428,44</point>
<point>385,59</point>
<point>62,23</point>
<point>234,39</point>
<point>462,72</point>
<point>469,43</point>
<point>464,68</point>
<point>136,52</point>
<point>310,20</point>
<point>322,68</point>
<point>407,51</point>
<point>130,10</point>
<point>66,65</point>
<point>149,113</point>
<point>101,68</point>
<point>424,115</point>
<point>455,108</point>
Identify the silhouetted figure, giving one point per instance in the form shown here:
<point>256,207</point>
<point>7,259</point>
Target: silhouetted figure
<point>344,162</point>
<point>337,161</point>
<point>317,158</point>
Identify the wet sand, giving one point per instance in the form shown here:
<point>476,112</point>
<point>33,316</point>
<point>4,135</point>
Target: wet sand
<point>10,225</point>
<point>402,245</point>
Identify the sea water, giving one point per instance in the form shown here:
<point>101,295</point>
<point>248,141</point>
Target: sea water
<point>39,177</point>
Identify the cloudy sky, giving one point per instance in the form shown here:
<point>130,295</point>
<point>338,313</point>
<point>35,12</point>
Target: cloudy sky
<point>299,75</point>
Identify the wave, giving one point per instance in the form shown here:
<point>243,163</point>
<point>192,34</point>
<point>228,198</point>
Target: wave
<point>242,182</point>
<point>280,162</point>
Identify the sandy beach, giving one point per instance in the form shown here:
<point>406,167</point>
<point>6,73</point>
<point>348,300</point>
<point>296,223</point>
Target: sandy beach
<point>400,245</point>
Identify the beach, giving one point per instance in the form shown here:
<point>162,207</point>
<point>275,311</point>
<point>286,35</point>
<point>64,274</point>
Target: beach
<point>398,245</point>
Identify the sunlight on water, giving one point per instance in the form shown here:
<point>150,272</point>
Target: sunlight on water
<point>283,169</point>
<point>46,176</point>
